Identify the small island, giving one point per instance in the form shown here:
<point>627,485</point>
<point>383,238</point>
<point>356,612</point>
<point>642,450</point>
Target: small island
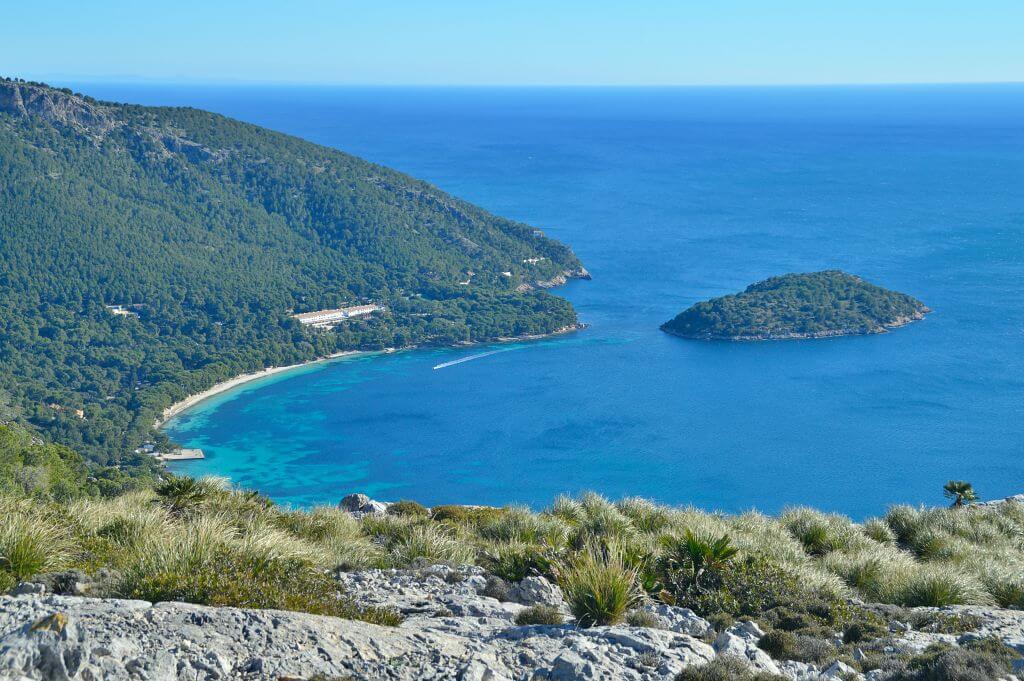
<point>811,305</point>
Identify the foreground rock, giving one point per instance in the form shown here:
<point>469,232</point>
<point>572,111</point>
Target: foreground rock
<point>460,623</point>
<point>66,637</point>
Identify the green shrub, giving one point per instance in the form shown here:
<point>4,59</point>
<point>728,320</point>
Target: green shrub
<point>936,589</point>
<point>598,586</point>
<point>745,588</point>
<point>243,581</point>
<point>645,619</point>
<point>645,515</point>
<point>540,614</point>
<point>785,645</point>
<point>183,493</point>
<point>879,531</point>
<point>433,543</point>
<point>817,532</point>
<point>978,662</point>
<point>1007,591</point>
<point>864,630</point>
<point>466,515</point>
<point>514,562</point>
<point>30,545</point>
<point>689,563</point>
<point>941,622</point>
<point>408,508</point>
<point>725,668</point>
<point>779,644</point>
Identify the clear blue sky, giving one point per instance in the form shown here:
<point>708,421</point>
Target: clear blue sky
<point>622,42</point>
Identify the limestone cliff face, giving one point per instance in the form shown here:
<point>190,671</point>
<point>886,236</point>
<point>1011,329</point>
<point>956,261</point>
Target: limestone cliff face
<point>53,105</point>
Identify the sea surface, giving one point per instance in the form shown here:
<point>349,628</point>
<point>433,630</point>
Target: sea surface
<point>670,196</point>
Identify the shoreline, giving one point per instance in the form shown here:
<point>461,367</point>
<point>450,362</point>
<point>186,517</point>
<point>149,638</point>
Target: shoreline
<point>224,386</point>
<point>231,383</point>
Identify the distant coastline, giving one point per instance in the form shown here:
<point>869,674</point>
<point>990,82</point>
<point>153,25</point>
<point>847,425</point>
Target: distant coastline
<point>192,400</point>
<point>231,383</point>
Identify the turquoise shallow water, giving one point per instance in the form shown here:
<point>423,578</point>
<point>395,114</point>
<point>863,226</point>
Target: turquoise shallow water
<point>671,196</point>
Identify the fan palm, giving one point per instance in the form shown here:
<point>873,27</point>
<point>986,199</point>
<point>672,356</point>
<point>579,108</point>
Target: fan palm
<point>961,492</point>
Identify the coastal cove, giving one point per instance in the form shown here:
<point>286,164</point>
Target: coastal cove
<point>669,198</point>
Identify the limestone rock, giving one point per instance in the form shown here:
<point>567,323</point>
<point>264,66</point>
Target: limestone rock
<point>361,505</point>
<point>535,591</point>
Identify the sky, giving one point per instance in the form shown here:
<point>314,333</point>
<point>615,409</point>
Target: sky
<point>521,42</point>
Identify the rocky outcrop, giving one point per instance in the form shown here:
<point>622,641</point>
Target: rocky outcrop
<point>360,505</point>
<point>60,637</point>
<point>554,282</point>
<point>452,630</point>
<point>53,105</point>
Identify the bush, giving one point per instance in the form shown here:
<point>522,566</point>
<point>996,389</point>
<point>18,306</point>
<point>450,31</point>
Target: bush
<point>514,562</point>
<point>864,630</point>
<point>692,562</point>
<point>645,619</point>
<point>183,493</point>
<point>408,508</point>
<point>466,515</point>
<point>1008,592</point>
<point>245,581</point>
<point>725,668</point>
<point>29,546</point>
<point>877,530</point>
<point>431,543</point>
<point>540,614</point>
<point>936,589</point>
<point>598,587</point>
<point>745,588</point>
<point>785,645</point>
<point>976,661</point>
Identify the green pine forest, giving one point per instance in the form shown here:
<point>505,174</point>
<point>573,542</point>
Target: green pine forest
<point>811,305</point>
<point>216,231</point>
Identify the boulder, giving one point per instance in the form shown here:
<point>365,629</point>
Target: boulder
<point>360,505</point>
<point>535,591</point>
<point>682,620</point>
<point>740,641</point>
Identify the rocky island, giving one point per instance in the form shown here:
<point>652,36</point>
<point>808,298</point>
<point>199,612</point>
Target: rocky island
<point>810,305</point>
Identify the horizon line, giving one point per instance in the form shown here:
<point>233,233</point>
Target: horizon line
<point>240,82</point>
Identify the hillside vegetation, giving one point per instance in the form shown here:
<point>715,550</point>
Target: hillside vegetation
<point>215,231</point>
<point>813,305</point>
<point>169,542</point>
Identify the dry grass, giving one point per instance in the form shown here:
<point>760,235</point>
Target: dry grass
<point>910,556</point>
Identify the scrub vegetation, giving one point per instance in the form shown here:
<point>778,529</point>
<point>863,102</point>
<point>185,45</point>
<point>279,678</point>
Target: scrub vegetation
<point>200,541</point>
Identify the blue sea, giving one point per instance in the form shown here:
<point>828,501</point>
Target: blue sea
<point>670,196</point>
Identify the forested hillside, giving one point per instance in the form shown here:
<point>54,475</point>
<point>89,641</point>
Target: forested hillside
<point>214,232</point>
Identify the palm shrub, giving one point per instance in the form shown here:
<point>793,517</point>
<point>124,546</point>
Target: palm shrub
<point>598,586</point>
<point>960,492</point>
<point>182,493</point>
<point>687,562</point>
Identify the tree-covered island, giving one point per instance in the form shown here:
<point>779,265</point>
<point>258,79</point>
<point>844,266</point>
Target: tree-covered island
<point>811,305</point>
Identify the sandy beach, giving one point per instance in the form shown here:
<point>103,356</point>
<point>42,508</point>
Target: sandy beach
<point>224,386</point>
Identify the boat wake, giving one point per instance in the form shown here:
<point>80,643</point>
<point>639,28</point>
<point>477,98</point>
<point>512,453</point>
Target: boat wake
<point>445,365</point>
